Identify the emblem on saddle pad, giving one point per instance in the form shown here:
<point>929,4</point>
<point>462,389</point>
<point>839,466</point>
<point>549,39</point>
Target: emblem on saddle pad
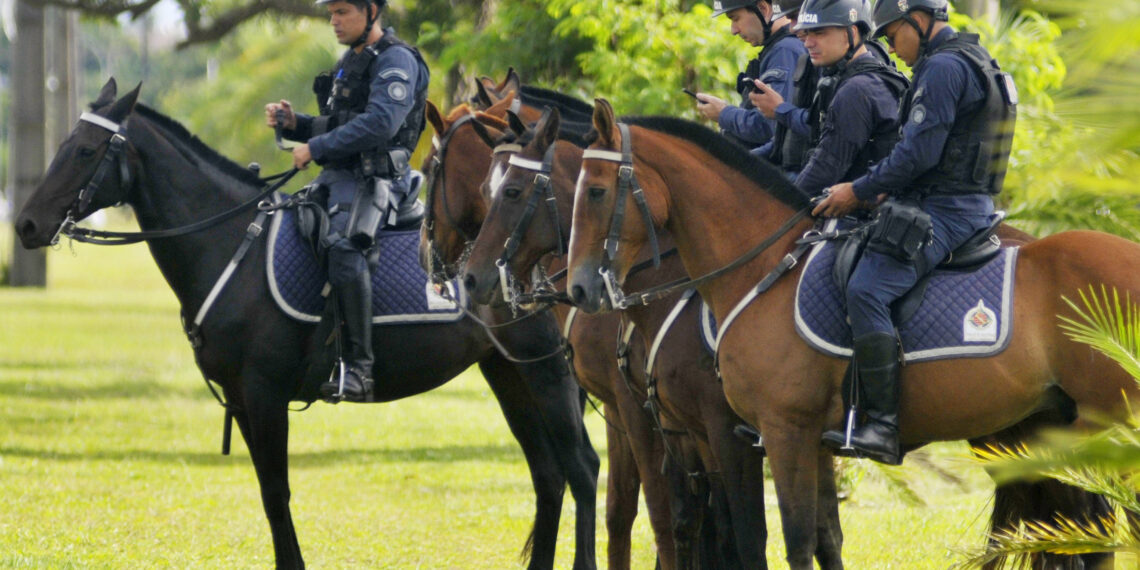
<point>979,324</point>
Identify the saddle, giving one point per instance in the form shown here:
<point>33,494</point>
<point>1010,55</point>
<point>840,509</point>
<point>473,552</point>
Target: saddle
<point>982,247</point>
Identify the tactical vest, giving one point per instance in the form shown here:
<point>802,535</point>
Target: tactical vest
<point>881,141</point>
<point>790,149</point>
<point>345,95</point>
<point>744,84</point>
<point>976,153</point>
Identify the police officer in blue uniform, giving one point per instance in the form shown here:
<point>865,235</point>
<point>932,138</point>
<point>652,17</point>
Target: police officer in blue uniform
<point>853,116</point>
<point>371,116</point>
<point>764,24</point>
<point>938,183</point>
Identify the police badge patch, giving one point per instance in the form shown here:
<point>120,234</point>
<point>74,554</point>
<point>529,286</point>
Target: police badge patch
<point>918,114</point>
<point>397,91</point>
<point>853,15</point>
<point>903,6</point>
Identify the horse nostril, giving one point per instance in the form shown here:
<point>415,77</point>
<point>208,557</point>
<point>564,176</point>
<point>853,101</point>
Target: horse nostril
<point>577,295</point>
<point>469,282</point>
<point>25,228</point>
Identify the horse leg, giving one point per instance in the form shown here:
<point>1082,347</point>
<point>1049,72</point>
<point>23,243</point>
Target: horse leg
<point>742,473</point>
<point>793,453</point>
<point>265,427</point>
<point>526,424</point>
<point>829,535</point>
<point>622,487</point>
<point>686,507</point>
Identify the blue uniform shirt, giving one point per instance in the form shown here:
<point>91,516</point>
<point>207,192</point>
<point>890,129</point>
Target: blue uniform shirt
<point>396,78</point>
<point>779,66</point>
<point>945,87</point>
<point>864,105</point>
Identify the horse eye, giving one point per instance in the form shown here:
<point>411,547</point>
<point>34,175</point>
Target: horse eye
<point>86,152</point>
<point>596,192</point>
<point>512,192</point>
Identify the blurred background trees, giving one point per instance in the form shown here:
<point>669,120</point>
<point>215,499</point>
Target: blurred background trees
<point>213,64</point>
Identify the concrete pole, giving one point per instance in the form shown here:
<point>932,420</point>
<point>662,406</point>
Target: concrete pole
<point>26,149</point>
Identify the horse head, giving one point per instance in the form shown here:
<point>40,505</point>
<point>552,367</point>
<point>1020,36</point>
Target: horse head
<point>523,223</point>
<point>459,159</point>
<point>91,170</point>
<point>605,241</point>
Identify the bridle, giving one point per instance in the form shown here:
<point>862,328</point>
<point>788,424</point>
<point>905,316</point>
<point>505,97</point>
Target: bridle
<point>541,188</point>
<point>627,183</point>
<point>437,175</point>
<point>626,179</point>
<point>114,154</point>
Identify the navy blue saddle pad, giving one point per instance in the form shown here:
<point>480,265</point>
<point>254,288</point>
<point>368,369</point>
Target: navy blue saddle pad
<point>401,292</point>
<point>962,314</point>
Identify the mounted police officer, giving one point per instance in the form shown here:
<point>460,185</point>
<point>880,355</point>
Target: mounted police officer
<point>761,23</point>
<point>940,178</point>
<point>853,115</point>
<point>371,117</point>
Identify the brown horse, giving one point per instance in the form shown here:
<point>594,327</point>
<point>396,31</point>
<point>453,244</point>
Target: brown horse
<point>456,210</point>
<point>697,185</point>
<point>682,381</point>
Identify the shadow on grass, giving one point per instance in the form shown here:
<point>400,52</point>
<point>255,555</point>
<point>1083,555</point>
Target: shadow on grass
<point>445,454</point>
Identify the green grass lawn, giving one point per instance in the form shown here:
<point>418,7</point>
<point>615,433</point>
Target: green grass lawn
<point>109,457</point>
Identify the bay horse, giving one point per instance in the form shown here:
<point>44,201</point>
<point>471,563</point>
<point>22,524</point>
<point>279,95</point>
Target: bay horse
<point>682,382</point>
<point>258,355</point>
<point>698,185</point>
<point>457,165</point>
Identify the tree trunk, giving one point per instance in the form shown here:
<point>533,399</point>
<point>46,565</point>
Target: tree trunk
<point>26,151</point>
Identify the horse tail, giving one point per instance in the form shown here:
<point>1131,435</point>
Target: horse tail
<point>528,548</point>
<point>1043,501</point>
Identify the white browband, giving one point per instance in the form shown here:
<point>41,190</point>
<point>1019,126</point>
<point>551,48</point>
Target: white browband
<point>610,155</point>
<point>100,121</point>
<point>508,148</point>
<point>526,163</point>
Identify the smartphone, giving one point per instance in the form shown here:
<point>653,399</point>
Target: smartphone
<point>689,93</point>
<point>752,84</point>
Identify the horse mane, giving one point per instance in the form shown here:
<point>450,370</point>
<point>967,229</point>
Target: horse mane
<point>459,111</point>
<point>564,102</point>
<point>199,148</point>
<point>763,173</point>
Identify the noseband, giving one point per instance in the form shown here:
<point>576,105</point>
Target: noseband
<point>113,155</point>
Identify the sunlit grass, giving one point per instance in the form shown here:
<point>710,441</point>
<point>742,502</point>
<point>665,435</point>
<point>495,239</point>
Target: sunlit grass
<point>109,457</point>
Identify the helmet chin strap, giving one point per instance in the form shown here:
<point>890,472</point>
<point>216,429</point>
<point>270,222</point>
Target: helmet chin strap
<point>764,22</point>
<point>923,36</point>
<point>368,28</point>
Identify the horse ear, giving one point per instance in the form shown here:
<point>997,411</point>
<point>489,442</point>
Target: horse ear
<point>106,95</point>
<point>481,130</point>
<point>547,128</point>
<point>123,107</point>
<point>605,123</point>
<point>433,117</point>
<point>517,124</point>
<point>512,82</point>
<point>482,96</point>
<point>498,109</point>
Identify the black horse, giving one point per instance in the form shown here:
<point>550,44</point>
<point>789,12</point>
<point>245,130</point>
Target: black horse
<point>259,356</point>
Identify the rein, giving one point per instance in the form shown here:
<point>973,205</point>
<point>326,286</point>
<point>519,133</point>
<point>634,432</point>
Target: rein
<point>114,154</point>
<point>626,179</point>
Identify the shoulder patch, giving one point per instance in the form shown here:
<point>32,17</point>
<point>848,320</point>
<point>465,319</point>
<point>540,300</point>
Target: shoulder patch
<point>918,114</point>
<point>397,91</point>
<point>394,72</point>
<point>773,75</point>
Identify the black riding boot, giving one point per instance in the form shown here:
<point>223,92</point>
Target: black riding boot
<point>878,366</point>
<point>355,303</point>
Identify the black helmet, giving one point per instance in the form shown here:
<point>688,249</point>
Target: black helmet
<point>887,11</point>
<point>380,3</point>
<point>786,8</point>
<point>835,13</point>
<point>725,6</point>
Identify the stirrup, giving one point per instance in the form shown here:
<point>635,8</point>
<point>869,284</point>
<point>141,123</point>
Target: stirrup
<point>333,392</point>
